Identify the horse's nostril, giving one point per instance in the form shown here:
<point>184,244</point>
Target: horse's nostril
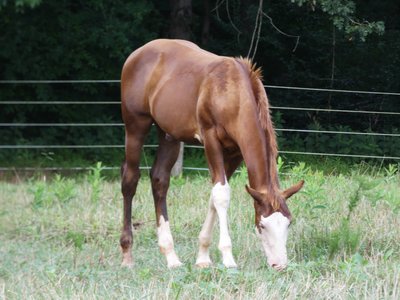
<point>274,266</point>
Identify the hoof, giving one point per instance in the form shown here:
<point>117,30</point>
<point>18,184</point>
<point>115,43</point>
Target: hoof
<point>175,265</point>
<point>230,264</point>
<point>173,260</point>
<point>127,261</point>
<point>127,264</point>
<point>203,265</point>
<point>228,260</point>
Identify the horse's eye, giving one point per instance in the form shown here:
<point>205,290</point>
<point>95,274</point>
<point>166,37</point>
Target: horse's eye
<point>262,226</point>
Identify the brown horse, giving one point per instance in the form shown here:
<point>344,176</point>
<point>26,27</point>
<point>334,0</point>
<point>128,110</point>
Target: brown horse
<point>194,96</point>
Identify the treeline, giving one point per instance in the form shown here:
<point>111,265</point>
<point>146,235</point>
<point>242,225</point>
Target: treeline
<point>324,44</point>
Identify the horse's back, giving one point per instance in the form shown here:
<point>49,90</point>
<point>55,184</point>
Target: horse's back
<point>182,87</point>
<point>163,79</point>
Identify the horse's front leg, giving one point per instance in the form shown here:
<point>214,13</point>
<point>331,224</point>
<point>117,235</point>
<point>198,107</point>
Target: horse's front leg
<point>205,236</point>
<point>219,203</point>
<point>221,198</point>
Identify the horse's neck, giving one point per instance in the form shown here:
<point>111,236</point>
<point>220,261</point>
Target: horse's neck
<point>260,162</point>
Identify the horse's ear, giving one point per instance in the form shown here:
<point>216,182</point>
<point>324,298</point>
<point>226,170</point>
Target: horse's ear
<point>257,196</point>
<point>293,189</point>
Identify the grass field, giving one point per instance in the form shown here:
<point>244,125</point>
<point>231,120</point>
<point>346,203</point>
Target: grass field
<point>59,239</point>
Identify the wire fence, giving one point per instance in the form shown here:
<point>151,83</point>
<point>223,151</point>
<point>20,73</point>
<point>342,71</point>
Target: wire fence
<point>113,124</point>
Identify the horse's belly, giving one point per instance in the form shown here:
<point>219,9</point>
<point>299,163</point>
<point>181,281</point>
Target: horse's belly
<point>174,110</point>
<point>182,130</point>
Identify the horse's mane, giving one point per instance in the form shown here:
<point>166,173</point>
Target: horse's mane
<point>255,75</point>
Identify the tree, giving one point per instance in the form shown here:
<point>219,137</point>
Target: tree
<point>342,14</point>
<point>180,19</point>
<point>319,43</point>
<point>180,28</point>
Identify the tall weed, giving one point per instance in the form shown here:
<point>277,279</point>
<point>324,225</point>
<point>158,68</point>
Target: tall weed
<point>63,189</point>
<point>58,191</point>
<point>347,238</point>
<point>40,194</point>
<point>95,180</point>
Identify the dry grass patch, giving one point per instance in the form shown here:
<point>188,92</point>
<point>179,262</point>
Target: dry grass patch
<point>59,239</point>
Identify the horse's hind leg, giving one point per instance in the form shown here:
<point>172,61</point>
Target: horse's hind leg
<point>160,174</point>
<point>135,132</point>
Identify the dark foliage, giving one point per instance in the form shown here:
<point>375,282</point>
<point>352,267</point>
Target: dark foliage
<point>67,40</point>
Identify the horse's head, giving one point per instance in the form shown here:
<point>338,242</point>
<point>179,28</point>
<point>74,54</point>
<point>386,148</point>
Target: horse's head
<point>272,222</point>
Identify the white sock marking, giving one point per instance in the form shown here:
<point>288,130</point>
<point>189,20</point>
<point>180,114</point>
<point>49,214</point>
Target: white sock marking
<point>166,243</point>
<point>221,197</point>
<point>205,236</point>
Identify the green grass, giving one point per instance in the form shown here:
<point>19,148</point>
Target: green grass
<point>59,239</point>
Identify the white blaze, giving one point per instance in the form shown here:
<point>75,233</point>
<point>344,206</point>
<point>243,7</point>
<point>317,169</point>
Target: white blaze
<point>274,231</point>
